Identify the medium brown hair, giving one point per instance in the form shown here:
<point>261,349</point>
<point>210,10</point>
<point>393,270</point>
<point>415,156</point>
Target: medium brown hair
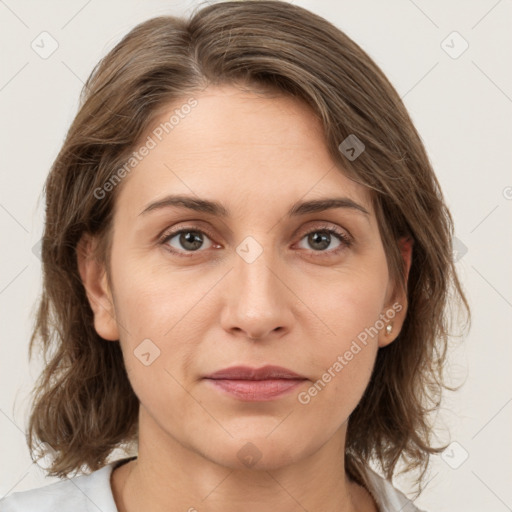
<point>83,403</point>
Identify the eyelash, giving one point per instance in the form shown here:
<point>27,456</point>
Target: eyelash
<point>346,240</point>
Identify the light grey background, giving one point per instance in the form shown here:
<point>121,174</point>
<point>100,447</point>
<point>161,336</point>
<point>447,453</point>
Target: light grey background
<point>462,108</point>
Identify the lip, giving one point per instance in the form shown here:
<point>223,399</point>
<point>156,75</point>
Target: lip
<point>255,384</point>
<point>248,373</point>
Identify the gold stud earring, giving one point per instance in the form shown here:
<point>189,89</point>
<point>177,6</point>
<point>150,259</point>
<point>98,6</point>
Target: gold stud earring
<point>389,328</point>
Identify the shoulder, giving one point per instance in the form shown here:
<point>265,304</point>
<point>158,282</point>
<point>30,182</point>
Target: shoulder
<point>77,494</point>
<point>388,498</point>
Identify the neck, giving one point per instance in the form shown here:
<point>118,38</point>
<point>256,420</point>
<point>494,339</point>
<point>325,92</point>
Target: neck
<point>177,478</point>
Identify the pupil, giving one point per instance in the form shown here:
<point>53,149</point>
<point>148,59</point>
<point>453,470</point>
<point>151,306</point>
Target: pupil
<point>315,238</point>
<point>189,238</point>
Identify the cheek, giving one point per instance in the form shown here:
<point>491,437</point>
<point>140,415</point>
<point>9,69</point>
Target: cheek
<point>347,301</point>
<point>151,299</point>
<point>163,314</point>
<point>356,307</point>
<point>168,309</point>
<point>158,340</point>
<point>342,362</point>
<point>350,307</point>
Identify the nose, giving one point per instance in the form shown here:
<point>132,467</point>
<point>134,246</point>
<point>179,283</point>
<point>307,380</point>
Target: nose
<point>256,300</point>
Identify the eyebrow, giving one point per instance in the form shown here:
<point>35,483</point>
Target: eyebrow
<point>217,209</point>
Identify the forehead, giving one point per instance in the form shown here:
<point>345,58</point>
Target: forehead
<point>237,146</point>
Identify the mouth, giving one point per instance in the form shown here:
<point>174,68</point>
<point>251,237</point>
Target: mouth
<point>255,384</point>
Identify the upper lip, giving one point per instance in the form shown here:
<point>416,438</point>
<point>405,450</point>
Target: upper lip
<point>248,373</point>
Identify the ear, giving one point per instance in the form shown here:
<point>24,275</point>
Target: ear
<point>396,306</point>
<point>94,279</point>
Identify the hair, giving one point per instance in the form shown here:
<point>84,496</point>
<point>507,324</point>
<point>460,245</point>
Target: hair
<point>83,406</point>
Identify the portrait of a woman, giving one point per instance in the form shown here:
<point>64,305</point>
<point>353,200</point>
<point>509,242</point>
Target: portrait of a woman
<point>247,264</point>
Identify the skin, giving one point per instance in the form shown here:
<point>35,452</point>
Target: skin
<point>293,306</point>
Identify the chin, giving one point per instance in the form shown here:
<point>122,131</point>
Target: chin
<point>258,452</point>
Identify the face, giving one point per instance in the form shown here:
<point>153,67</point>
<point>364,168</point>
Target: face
<point>254,280</point>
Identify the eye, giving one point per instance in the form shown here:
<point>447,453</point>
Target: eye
<point>321,238</point>
<point>185,240</point>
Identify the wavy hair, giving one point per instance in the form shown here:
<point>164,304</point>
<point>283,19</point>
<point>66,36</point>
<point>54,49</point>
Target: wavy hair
<point>83,406</point>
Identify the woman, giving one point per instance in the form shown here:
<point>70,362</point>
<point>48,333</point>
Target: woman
<point>247,264</point>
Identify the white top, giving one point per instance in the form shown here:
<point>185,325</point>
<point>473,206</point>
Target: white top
<point>91,493</point>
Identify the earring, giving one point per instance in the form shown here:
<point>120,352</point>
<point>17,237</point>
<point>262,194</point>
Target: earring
<point>389,328</point>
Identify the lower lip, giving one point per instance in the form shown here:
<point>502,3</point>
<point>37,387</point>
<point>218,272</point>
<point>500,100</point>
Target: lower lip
<point>257,390</point>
